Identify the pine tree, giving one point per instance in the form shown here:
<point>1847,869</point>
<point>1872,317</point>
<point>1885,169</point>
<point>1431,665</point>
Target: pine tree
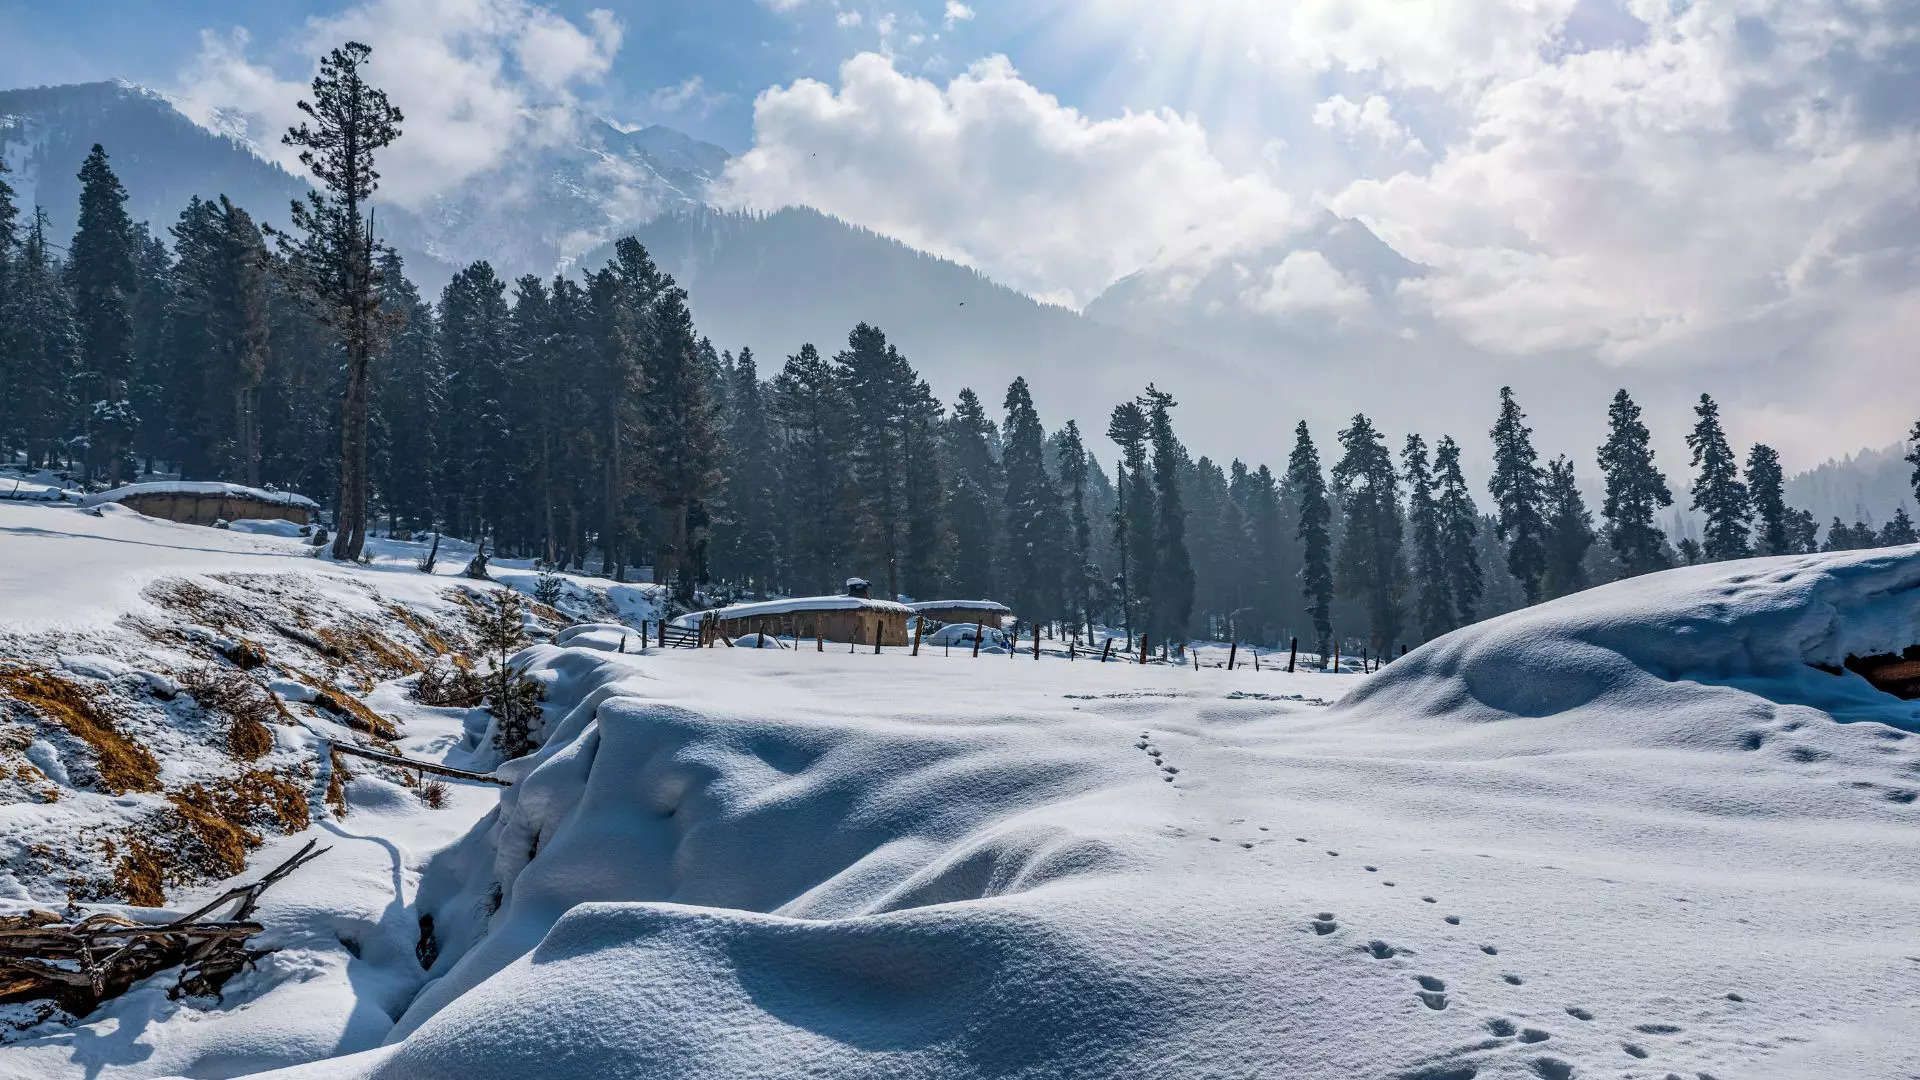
<point>1913,459</point>
<point>512,698</point>
<point>1690,552</point>
<point>411,400</point>
<point>878,384</point>
<point>1803,533</point>
<point>1031,512</point>
<point>476,329</point>
<point>1772,527</point>
<point>11,420</point>
<point>46,344</point>
<point>1516,495</point>
<point>101,278</point>
<point>928,544</point>
<point>1133,516</point>
<point>1173,580</point>
<point>1309,487</point>
<point>1435,606</point>
<point>1080,571</point>
<point>753,477</point>
<point>973,493</point>
<point>678,420</point>
<point>152,365</point>
<point>1717,491</point>
<point>332,265</point>
<point>809,410</point>
<point>1898,529</point>
<point>1635,490</point>
<point>1274,558</point>
<point>1569,531</point>
<point>1370,566</point>
<point>1459,534</point>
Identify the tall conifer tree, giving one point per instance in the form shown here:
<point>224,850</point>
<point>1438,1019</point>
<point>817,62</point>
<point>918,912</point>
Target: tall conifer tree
<point>1569,531</point>
<point>332,264</point>
<point>1773,520</point>
<point>1309,487</point>
<point>973,497</point>
<point>1717,490</point>
<point>1459,534</point>
<point>1080,572</point>
<point>1031,513</point>
<point>809,410</point>
<point>1173,580</point>
<point>1516,495</point>
<point>1370,566</point>
<point>1635,490</point>
<point>1133,515</point>
<point>101,279</point>
<point>1434,606</point>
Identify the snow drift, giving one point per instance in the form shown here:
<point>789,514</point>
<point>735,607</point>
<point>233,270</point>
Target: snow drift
<point>1609,835</point>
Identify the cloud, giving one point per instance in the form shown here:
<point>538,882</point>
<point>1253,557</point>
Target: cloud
<point>475,78</point>
<point>956,12</point>
<point>994,173</point>
<point>847,20</point>
<point>1371,119</point>
<point>687,98</point>
<point>1734,183</point>
<point>1304,282</point>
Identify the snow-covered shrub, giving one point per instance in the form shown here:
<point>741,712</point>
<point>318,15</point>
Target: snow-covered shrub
<point>549,587</point>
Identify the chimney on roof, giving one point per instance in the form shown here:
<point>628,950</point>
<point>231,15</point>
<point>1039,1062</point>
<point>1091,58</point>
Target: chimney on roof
<point>860,587</point>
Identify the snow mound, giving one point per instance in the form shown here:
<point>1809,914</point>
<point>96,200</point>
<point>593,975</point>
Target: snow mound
<point>1608,834</point>
<point>265,526</point>
<point>201,487</point>
<point>1652,651</point>
<point>758,641</point>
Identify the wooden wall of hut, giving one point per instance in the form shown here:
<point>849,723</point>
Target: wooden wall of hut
<point>843,626</point>
<point>196,509</point>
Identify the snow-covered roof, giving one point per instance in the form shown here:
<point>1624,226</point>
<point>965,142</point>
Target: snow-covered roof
<point>802,603</point>
<point>962,605</point>
<point>201,487</point>
<point>852,581</point>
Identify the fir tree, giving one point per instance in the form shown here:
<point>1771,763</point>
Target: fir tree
<point>1773,519</point>
<point>1031,512</point>
<point>878,385</point>
<point>332,264</point>
<point>1133,515</point>
<point>1459,534</point>
<point>1913,459</point>
<point>11,420</point>
<point>809,410</point>
<point>1309,487</point>
<point>1690,552</point>
<point>411,400</point>
<point>928,544</point>
<point>1173,581</point>
<point>1898,529</point>
<point>1435,605</point>
<point>512,698</point>
<point>753,477</point>
<point>1370,566</point>
<point>1274,558</point>
<point>1080,571</point>
<point>1569,531</point>
<point>101,279</point>
<point>1635,490</point>
<point>973,492</point>
<point>677,418</point>
<point>476,327</point>
<point>1517,497</point>
<point>1717,490</point>
<point>1803,532</point>
<point>46,343</point>
<point>152,365</point>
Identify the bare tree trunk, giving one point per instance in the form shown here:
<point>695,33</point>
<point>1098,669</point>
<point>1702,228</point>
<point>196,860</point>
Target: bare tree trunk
<point>352,535</point>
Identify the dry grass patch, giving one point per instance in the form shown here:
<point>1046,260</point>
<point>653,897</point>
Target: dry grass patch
<point>120,764</point>
<point>248,706</point>
<point>203,833</point>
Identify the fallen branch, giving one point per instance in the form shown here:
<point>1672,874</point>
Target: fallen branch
<point>78,965</point>
<point>412,763</point>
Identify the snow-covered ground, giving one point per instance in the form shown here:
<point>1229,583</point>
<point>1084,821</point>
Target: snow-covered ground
<point>1628,834</point>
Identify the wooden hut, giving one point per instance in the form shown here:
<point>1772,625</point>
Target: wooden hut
<point>985,612</point>
<point>834,618</point>
<point>202,502</point>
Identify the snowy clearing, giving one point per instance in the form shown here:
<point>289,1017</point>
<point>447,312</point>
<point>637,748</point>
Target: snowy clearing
<point>1632,833</point>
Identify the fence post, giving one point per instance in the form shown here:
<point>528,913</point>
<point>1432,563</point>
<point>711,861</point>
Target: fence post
<point>876,635</point>
<point>1107,651</point>
<point>1336,657</point>
<point>623,643</point>
<point>979,630</point>
<point>1293,650</point>
<point>916,637</point>
<point>1036,639</point>
<point>1143,646</point>
<point>1256,658</point>
<point>1233,651</point>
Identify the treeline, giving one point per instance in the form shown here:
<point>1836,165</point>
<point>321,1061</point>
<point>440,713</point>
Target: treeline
<point>583,421</point>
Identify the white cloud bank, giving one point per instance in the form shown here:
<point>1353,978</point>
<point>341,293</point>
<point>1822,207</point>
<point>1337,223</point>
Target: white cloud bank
<point>992,172</point>
<point>474,78</point>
